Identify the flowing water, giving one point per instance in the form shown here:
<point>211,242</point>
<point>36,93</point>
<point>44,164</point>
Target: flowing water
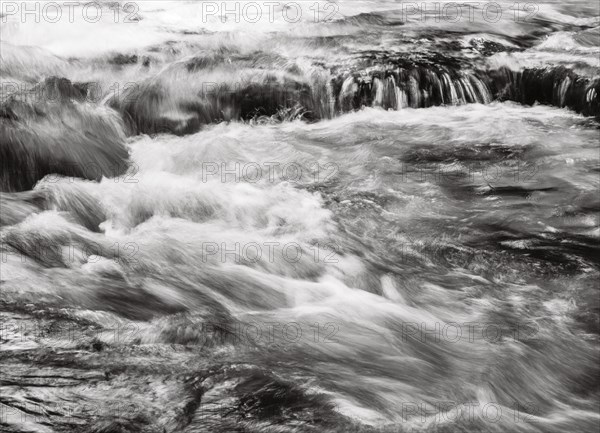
<point>326,217</point>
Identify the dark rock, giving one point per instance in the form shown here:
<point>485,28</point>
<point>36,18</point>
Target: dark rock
<point>52,129</point>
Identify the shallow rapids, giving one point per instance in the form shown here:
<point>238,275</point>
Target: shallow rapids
<point>365,222</point>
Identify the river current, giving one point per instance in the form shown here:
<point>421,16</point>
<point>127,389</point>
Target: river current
<point>312,216</point>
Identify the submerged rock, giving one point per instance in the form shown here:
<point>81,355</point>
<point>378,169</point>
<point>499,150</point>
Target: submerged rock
<point>52,129</point>
<point>205,90</point>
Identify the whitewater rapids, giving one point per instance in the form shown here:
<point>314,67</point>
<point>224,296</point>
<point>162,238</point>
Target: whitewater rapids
<point>366,223</point>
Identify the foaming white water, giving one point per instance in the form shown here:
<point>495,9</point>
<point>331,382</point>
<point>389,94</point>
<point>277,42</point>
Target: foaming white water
<point>185,228</point>
<point>566,41</point>
<point>393,261</point>
<point>87,30</point>
<point>84,31</point>
<point>79,30</point>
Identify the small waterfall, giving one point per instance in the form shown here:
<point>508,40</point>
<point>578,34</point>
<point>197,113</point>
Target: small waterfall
<point>414,93</point>
<point>390,94</point>
<point>416,88</point>
<point>377,93</point>
<point>347,94</point>
<point>400,98</point>
<point>330,101</point>
<point>557,86</point>
<point>450,86</point>
<point>178,101</point>
<point>484,92</point>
